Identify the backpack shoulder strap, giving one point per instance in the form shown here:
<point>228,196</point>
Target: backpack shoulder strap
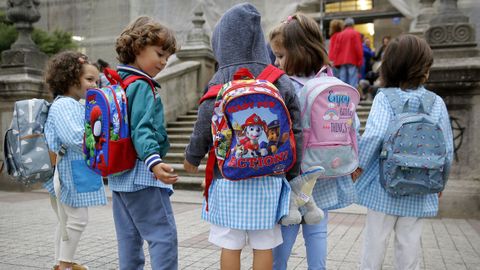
<point>270,73</point>
<point>211,93</point>
<point>394,100</point>
<point>129,80</point>
<point>428,100</point>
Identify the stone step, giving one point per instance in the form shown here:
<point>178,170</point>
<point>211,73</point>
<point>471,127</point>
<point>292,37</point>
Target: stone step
<point>178,168</point>
<point>179,138</point>
<point>192,112</point>
<point>177,147</point>
<point>180,130</point>
<point>177,124</point>
<point>177,158</point>
<point>191,117</point>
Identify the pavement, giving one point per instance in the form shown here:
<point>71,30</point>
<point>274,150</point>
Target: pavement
<point>27,223</point>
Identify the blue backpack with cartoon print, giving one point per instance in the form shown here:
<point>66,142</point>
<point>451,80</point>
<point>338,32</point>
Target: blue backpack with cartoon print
<point>413,159</point>
<point>107,146</point>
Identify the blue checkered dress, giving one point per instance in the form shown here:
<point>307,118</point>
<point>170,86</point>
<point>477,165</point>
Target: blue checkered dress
<point>333,193</point>
<point>370,192</point>
<point>65,125</point>
<point>253,204</point>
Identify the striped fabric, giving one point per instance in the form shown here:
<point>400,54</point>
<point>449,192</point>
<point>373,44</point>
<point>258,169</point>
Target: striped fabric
<point>253,204</point>
<point>370,192</point>
<point>140,177</point>
<point>65,125</point>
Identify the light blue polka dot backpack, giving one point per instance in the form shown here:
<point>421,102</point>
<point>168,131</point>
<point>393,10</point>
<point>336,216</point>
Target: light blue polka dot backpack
<point>413,160</point>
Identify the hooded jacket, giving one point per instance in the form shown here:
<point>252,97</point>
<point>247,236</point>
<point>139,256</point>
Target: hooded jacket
<point>238,41</point>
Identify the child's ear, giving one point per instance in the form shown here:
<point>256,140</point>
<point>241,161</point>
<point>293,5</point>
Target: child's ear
<point>425,77</point>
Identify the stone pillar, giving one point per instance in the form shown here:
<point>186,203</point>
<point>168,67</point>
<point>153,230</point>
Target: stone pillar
<point>21,71</point>
<point>455,75</point>
<point>425,14</point>
<point>197,48</point>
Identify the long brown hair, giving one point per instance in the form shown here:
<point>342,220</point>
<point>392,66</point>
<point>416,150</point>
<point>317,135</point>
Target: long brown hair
<point>301,37</point>
<point>406,62</point>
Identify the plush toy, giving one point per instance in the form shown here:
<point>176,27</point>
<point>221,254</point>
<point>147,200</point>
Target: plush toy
<point>301,195</point>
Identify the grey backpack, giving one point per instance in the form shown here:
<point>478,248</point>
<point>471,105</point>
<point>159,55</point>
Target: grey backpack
<point>27,158</point>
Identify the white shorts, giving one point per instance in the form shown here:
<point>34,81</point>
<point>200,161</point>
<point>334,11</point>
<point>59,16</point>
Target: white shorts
<point>233,239</point>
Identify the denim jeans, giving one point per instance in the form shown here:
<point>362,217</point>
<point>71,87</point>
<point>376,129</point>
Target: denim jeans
<point>145,215</point>
<point>349,74</point>
<point>315,237</point>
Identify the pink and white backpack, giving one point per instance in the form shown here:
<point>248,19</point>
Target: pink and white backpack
<point>328,116</point>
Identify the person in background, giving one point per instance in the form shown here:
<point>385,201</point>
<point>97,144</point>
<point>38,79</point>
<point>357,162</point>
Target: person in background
<point>336,26</point>
<point>101,66</point>
<point>348,53</point>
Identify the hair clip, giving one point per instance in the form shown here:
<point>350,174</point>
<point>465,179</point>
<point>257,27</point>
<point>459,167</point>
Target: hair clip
<point>289,18</point>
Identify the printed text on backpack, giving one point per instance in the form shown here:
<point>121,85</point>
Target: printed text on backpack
<point>251,126</point>
<point>328,116</point>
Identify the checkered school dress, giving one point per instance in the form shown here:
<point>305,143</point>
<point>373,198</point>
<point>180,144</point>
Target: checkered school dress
<point>370,192</point>
<point>65,125</point>
<point>253,204</point>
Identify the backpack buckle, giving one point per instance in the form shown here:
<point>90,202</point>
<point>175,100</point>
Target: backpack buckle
<point>62,151</point>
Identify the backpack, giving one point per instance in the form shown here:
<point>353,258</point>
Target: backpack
<point>27,158</point>
<point>328,110</point>
<point>413,160</point>
<point>107,146</point>
<point>251,127</point>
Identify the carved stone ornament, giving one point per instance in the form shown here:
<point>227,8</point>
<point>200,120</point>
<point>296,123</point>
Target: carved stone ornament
<point>451,35</point>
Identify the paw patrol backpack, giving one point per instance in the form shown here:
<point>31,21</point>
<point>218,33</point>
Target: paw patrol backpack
<point>251,127</point>
<point>107,147</point>
<point>328,110</point>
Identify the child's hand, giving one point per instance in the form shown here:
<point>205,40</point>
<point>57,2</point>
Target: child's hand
<point>164,173</point>
<point>356,174</point>
<point>189,167</point>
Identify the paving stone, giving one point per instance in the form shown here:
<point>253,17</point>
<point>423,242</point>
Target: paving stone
<point>27,223</point>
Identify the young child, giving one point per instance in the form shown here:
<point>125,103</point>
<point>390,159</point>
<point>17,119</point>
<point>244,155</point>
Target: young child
<point>140,197</point>
<point>299,49</point>
<point>68,76</point>
<point>244,211</point>
<point>405,67</point>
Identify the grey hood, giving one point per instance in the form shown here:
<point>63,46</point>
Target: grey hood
<point>238,41</point>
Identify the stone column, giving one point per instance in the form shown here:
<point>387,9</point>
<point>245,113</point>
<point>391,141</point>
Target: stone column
<point>21,71</point>
<point>425,14</point>
<point>455,75</point>
<point>197,48</point>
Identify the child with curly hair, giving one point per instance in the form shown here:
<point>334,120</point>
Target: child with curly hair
<point>74,187</point>
<point>140,197</point>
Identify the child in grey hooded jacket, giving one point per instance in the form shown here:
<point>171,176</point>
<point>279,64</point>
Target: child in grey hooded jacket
<point>244,211</point>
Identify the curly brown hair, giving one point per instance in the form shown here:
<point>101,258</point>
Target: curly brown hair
<point>406,62</point>
<point>140,33</point>
<point>301,37</point>
<point>63,71</point>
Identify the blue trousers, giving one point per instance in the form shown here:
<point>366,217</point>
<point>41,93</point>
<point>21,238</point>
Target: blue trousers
<point>145,215</point>
<point>348,74</point>
<point>315,237</point>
